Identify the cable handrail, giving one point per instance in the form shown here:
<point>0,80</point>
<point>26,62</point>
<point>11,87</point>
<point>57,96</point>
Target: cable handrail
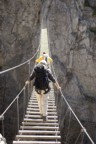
<point>83,128</point>
<point>12,102</point>
<point>14,98</point>
<point>1,72</point>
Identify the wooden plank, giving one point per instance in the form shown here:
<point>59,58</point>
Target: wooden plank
<point>36,142</point>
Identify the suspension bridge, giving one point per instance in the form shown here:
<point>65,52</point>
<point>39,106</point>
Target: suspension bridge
<point>32,129</point>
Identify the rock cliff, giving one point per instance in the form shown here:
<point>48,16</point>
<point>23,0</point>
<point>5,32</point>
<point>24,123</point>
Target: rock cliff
<point>72,33</point>
<point>19,40</point>
<point>71,28</point>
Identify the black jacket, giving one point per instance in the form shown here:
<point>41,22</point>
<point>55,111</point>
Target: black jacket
<point>42,77</point>
<point>50,76</point>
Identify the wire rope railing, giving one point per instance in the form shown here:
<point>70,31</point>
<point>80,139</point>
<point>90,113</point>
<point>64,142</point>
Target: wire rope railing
<point>28,61</point>
<point>2,115</point>
<point>11,103</point>
<point>77,119</point>
<point>18,96</point>
<point>16,99</point>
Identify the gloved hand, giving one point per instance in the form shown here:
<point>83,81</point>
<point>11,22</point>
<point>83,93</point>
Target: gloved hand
<point>59,88</point>
<point>57,85</point>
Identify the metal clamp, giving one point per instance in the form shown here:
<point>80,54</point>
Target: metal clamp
<point>1,117</point>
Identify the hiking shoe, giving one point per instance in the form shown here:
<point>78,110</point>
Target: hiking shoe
<point>44,118</point>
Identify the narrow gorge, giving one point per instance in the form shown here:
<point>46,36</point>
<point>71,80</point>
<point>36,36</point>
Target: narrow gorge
<point>71,26</point>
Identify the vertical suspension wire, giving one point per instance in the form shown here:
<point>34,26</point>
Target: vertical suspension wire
<point>29,63</point>
<point>29,88</point>
<point>65,114</point>
<point>68,126</point>
<point>62,121</point>
<point>3,133</point>
<point>24,102</point>
<point>24,107</point>
<point>18,113</point>
<point>30,84</point>
<point>82,136</point>
<point>28,92</point>
<point>79,136</point>
<point>56,128</point>
<point>58,115</point>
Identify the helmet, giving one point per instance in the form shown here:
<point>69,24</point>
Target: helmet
<point>43,62</point>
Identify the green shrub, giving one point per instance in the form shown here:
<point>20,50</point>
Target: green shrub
<point>94,12</point>
<point>86,3</point>
<point>93,30</point>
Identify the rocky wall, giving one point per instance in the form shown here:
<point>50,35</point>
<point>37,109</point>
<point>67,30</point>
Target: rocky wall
<point>71,29</point>
<point>19,40</point>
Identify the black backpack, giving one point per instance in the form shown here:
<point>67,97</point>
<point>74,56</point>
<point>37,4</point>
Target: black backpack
<point>41,80</point>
